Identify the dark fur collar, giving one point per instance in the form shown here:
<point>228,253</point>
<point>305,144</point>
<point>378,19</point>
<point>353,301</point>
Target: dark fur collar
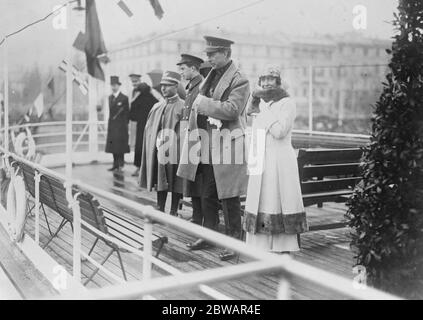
<point>275,94</point>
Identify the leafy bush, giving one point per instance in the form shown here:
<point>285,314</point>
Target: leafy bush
<point>386,209</point>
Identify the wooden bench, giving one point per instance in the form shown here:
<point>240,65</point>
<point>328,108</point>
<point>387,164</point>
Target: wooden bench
<point>106,220</point>
<point>328,175</point>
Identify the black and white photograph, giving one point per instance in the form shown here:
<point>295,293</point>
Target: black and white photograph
<point>185,152</point>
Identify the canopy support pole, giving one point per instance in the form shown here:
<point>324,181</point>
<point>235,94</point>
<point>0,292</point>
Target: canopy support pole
<point>6,95</point>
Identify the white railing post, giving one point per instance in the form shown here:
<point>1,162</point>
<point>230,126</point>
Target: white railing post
<point>310,98</point>
<point>73,204</point>
<point>148,249</point>
<point>37,179</point>
<point>284,290</point>
<point>92,118</point>
<point>3,178</point>
<point>6,95</point>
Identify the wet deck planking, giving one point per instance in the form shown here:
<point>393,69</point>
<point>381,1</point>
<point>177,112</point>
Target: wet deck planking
<point>28,282</point>
<point>324,249</point>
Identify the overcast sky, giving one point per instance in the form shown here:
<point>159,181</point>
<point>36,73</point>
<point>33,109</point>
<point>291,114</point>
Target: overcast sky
<point>294,17</point>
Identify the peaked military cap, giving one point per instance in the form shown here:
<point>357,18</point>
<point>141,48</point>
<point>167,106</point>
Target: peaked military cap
<point>135,75</point>
<point>170,77</point>
<point>187,58</point>
<point>214,44</point>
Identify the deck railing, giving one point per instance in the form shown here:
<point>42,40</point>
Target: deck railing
<point>261,261</point>
<point>53,139</point>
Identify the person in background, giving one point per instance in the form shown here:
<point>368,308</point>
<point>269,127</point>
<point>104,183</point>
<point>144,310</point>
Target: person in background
<point>160,152</point>
<point>189,67</point>
<point>274,214</point>
<point>142,101</point>
<point>219,108</point>
<point>117,130</point>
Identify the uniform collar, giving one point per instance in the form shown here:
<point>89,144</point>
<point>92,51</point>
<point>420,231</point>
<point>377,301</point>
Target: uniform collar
<point>172,99</point>
<point>194,82</point>
<point>223,69</point>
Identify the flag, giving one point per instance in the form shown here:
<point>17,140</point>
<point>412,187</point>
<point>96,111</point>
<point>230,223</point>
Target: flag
<point>125,8</point>
<point>51,86</point>
<point>80,41</point>
<point>82,84</point>
<point>94,45</point>
<point>158,11</point>
<point>39,104</point>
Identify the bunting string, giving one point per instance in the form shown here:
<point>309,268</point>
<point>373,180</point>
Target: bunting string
<point>36,22</point>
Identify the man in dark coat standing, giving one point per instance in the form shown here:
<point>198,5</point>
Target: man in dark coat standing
<point>117,130</point>
<point>142,101</point>
<point>161,152</point>
<point>217,114</point>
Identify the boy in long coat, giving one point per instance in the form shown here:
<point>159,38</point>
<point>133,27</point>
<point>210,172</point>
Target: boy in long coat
<point>160,153</point>
<point>117,130</point>
<point>189,67</point>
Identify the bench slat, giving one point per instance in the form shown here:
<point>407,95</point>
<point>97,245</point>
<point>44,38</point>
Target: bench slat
<point>329,156</point>
<point>334,196</point>
<point>309,172</point>
<point>328,185</point>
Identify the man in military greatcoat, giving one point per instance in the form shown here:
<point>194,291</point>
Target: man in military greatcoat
<point>218,114</point>
<point>161,152</point>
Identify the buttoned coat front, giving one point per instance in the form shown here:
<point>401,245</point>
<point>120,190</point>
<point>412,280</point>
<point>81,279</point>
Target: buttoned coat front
<point>228,158</point>
<point>191,188</point>
<point>117,129</point>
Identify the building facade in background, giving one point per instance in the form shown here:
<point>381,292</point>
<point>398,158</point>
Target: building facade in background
<point>342,73</point>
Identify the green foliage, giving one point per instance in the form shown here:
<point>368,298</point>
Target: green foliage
<point>386,209</point>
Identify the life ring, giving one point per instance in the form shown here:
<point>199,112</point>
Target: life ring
<point>16,207</point>
<point>19,145</point>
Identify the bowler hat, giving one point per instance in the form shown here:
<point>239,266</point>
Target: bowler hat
<point>114,80</point>
<point>190,59</point>
<point>170,77</point>
<point>215,44</point>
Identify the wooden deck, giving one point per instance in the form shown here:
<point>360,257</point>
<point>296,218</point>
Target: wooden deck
<point>324,249</point>
<point>19,278</point>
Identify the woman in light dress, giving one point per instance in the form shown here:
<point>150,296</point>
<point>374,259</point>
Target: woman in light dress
<point>274,214</point>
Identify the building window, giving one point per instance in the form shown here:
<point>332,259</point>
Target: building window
<point>319,72</point>
<point>365,52</point>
